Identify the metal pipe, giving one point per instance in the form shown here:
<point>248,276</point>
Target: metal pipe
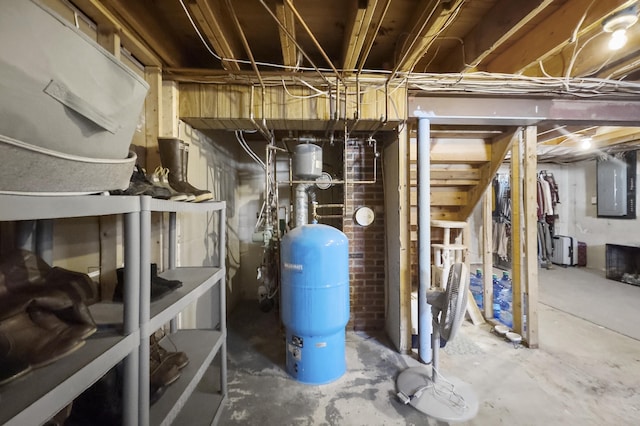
<point>313,38</point>
<point>263,130</point>
<point>424,239</point>
<point>293,39</point>
<point>302,205</point>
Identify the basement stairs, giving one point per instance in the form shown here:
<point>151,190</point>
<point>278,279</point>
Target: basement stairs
<point>463,164</point>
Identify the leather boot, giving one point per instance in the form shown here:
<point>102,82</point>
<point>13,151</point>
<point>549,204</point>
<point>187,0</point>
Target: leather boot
<point>177,358</point>
<point>21,268</point>
<point>25,340</point>
<point>173,157</point>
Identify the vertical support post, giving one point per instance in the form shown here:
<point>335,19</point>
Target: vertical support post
<point>26,235</point>
<point>153,115</point>
<point>222,229</point>
<point>531,238</point>
<point>44,240</point>
<point>487,253</point>
<point>517,227</point>
<point>144,278</point>
<point>109,39</point>
<point>173,240</point>
<point>424,238</point>
<point>131,297</point>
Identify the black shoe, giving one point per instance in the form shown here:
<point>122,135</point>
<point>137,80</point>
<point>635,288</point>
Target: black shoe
<point>170,284</point>
<point>157,291</point>
<point>140,185</point>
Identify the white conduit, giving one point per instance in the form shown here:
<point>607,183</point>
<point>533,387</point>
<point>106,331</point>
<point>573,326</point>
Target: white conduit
<point>424,240</point>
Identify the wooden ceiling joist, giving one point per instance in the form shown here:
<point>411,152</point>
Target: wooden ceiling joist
<point>359,23</point>
<point>211,24</point>
<point>150,30</point>
<point>106,20</point>
<point>505,19</point>
<point>553,33</point>
<point>285,16</point>
<point>430,23</point>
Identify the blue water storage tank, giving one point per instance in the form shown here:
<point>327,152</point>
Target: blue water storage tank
<point>315,302</point>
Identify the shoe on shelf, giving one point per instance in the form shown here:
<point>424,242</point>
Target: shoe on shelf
<point>177,358</point>
<point>162,372</point>
<point>174,156</point>
<point>159,178</point>
<point>157,290</point>
<point>140,185</point>
<point>170,284</point>
<point>37,345</point>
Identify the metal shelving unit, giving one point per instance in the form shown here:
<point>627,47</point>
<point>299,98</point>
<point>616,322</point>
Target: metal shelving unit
<point>201,345</point>
<point>40,394</point>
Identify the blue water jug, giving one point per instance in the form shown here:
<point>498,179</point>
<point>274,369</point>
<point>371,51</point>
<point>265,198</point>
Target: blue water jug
<point>476,284</point>
<point>496,296</point>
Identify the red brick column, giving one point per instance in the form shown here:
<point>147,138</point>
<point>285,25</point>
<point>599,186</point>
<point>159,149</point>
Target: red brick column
<point>366,244</point>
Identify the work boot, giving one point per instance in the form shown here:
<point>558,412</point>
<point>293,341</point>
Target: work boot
<point>25,340</point>
<point>179,359</point>
<point>174,157</point>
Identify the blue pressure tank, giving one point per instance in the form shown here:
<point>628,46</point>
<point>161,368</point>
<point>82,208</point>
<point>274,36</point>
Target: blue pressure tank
<point>315,302</point>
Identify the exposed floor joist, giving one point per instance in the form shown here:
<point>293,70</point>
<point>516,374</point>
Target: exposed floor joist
<point>213,26</point>
<point>288,31</point>
<point>505,19</point>
<point>549,36</point>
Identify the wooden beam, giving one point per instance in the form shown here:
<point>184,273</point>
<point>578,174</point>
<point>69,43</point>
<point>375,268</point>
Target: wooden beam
<point>500,24</point>
<point>141,23</point>
<point>359,22</point>
<point>106,20</point>
<point>460,151</point>
<point>499,150</point>
<point>487,252</point>
<point>593,58</point>
<point>550,35</point>
<point>429,24</point>
<point>517,226</point>
<point>213,26</point>
<point>531,334</point>
<point>170,121</point>
<point>153,116</point>
<point>289,50</point>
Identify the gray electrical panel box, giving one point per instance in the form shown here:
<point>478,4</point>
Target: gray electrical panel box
<point>616,186</point>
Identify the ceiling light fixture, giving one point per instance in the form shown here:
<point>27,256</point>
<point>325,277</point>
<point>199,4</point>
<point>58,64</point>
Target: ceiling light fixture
<point>618,24</point>
<point>586,143</point>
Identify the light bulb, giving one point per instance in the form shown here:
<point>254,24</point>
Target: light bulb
<point>618,39</point>
<point>586,143</point>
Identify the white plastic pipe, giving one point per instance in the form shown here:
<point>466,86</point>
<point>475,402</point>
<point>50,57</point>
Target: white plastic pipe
<point>424,240</point>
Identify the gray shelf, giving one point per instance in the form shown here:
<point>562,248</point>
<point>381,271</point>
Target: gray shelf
<point>205,403</point>
<point>195,283</point>
<point>201,346</point>
<point>26,207</point>
<point>156,205</point>
<point>40,394</point>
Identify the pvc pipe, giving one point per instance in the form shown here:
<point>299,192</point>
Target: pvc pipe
<point>424,240</point>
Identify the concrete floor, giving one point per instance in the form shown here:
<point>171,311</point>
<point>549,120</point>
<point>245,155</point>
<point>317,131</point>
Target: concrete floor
<point>582,374</point>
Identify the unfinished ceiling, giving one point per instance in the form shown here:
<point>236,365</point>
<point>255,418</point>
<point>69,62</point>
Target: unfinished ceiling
<point>315,43</point>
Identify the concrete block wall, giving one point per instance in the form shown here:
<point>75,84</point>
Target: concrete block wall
<point>366,244</point>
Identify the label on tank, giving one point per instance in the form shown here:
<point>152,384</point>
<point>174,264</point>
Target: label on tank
<point>293,266</point>
<point>297,341</point>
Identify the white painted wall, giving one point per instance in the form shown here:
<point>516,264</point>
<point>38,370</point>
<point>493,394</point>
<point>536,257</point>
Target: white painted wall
<point>585,224</point>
